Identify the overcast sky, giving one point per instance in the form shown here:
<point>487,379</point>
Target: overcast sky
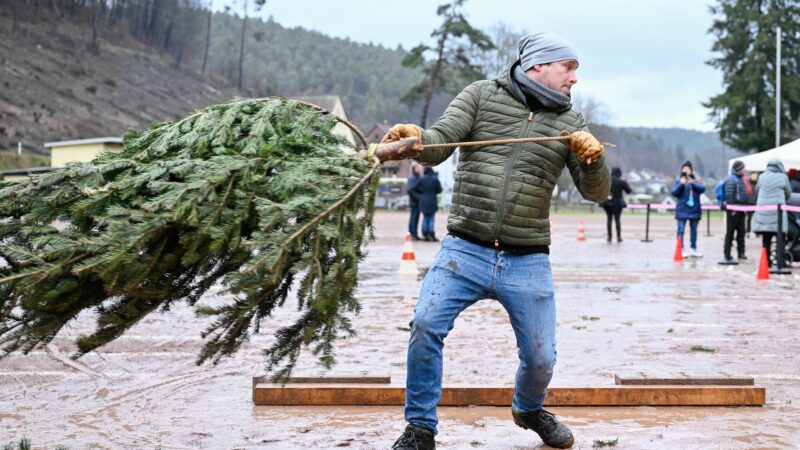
<point>645,61</point>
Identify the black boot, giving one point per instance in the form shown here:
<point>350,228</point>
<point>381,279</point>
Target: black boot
<point>415,437</point>
<point>433,237</point>
<point>551,431</point>
<point>426,237</point>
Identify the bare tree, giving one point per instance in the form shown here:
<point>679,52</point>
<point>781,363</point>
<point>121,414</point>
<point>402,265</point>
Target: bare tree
<point>593,111</point>
<point>241,47</point>
<point>259,4</point>
<point>180,30</point>
<point>506,51</point>
<point>94,46</point>
<point>54,7</point>
<point>208,34</point>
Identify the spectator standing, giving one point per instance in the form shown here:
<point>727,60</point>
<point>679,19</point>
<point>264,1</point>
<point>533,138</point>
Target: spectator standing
<point>687,189</point>
<point>427,188</point>
<point>773,189</point>
<point>735,194</point>
<point>615,203</point>
<point>795,176</point>
<point>751,182</point>
<point>413,201</point>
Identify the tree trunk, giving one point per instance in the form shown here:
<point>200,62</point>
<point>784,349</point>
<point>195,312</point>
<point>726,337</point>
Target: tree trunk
<point>434,76</point>
<point>142,11</point>
<point>13,20</point>
<point>241,47</point>
<point>180,30</point>
<point>54,7</point>
<point>759,121</point>
<point>165,44</point>
<point>150,28</point>
<point>117,9</point>
<point>208,37</point>
<point>94,47</point>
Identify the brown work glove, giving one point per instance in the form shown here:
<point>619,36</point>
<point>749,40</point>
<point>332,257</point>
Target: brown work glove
<point>402,131</point>
<point>585,146</point>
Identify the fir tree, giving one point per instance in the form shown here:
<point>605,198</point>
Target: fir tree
<point>452,67</point>
<point>745,39</point>
<point>254,194</point>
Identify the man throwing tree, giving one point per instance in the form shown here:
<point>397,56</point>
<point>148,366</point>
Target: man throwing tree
<point>499,231</point>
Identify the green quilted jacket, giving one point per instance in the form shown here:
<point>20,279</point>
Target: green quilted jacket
<point>502,192</point>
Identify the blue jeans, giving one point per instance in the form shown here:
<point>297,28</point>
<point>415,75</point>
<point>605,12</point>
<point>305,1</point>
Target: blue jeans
<point>413,221</point>
<point>692,230</point>
<point>428,223</point>
<point>462,274</point>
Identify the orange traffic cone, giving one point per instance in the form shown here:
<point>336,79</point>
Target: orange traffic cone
<point>581,232</point>
<point>763,266</point>
<point>408,265</point>
<point>678,258</point>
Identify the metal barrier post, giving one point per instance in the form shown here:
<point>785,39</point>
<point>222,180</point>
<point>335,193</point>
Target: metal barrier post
<point>708,223</point>
<point>779,248</point>
<point>647,226</point>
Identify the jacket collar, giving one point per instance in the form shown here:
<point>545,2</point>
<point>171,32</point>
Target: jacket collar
<point>505,79</point>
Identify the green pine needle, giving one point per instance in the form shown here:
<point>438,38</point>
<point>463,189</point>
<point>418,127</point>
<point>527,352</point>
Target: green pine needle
<point>253,194</point>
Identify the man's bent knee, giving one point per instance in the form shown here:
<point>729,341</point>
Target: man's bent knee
<point>539,362</point>
<point>424,328</point>
<point>544,368</point>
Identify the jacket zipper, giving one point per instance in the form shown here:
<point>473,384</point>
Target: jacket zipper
<point>509,169</point>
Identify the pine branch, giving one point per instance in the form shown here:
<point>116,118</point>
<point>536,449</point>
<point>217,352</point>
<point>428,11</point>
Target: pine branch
<point>250,194</point>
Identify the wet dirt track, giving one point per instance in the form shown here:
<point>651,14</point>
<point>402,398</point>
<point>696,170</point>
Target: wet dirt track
<point>622,308</point>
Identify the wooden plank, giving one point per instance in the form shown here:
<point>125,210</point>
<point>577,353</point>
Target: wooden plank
<point>330,379</point>
<point>270,394</point>
<point>682,380</point>
<point>658,396</point>
<point>327,379</point>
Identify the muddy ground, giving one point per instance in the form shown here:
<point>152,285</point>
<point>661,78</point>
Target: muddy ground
<point>622,308</point>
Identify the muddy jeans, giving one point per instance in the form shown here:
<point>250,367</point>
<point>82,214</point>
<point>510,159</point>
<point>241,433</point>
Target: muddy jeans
<point>462,274</point>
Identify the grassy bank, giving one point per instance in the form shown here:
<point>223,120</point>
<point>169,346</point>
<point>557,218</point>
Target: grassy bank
<point>10,160</point>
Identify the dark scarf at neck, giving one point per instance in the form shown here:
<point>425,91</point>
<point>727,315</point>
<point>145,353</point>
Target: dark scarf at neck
<point>549,98</point>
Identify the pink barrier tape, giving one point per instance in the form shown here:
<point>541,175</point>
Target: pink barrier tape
<point>658,206</point>
<point>744,208</point>
<point>790,208</point>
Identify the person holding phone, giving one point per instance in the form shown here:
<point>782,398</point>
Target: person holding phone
<point>686,190</point>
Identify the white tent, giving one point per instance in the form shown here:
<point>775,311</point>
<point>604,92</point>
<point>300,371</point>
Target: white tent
<point>789,154</point>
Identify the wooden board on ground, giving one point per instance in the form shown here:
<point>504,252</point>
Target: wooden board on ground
<point>330,379</point>
<point>344,394</point>
<point>682,379</point>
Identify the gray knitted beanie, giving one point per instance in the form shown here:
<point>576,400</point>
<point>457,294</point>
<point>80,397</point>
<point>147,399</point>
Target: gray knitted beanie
<point>543,48</point>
